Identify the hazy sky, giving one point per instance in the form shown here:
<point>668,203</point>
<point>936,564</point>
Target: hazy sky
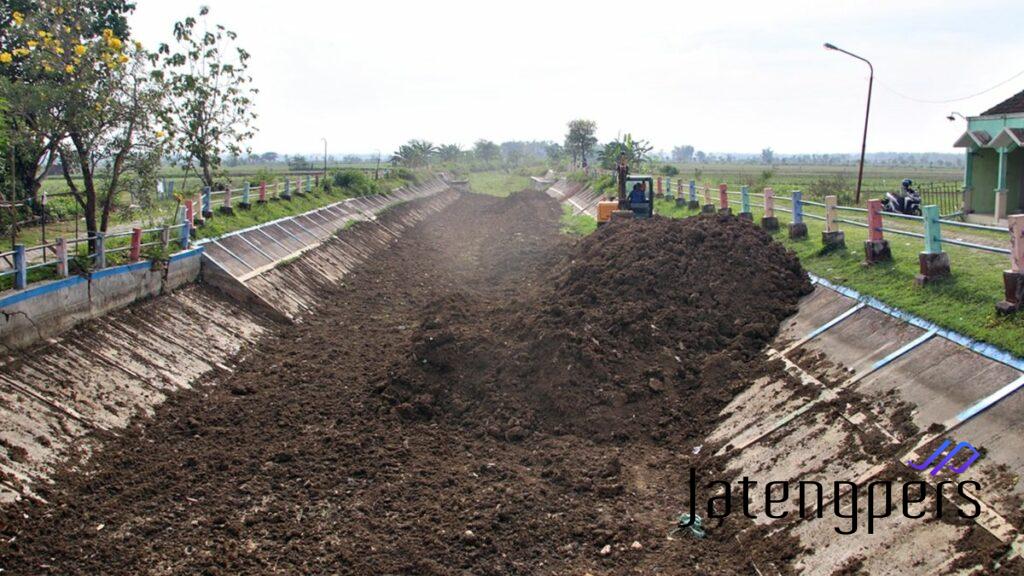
<point>721,75</point>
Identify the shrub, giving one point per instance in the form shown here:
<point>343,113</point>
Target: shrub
<point>668,170</point>
<point>405,174</point>
<point>354,182</point>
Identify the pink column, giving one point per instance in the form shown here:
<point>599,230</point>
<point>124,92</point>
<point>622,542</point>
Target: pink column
<point>190,215</point>
<point>1016,224</point>
<point>61,249</point>
<point>136,247</point>
<point>659,184</point>
<point>875,220</point>
<point>769,203</point>
<point>263,191</point>
<point>723,196</point>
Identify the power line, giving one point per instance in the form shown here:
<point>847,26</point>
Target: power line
<point>951,100</point>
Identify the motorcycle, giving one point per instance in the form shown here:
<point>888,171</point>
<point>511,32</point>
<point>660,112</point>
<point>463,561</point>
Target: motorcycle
<point>903,204</point>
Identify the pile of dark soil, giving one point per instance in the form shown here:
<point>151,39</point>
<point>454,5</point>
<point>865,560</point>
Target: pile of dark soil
<point>645,330</point>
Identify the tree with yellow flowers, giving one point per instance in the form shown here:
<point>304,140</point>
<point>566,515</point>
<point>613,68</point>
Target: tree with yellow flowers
<point>101,100</point>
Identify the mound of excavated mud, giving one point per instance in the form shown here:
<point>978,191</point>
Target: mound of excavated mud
<point>646,330</point>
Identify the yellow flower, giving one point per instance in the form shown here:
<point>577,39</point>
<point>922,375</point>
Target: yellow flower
<point>138,45</point>
<point>114,43</point>
<point>79,49</point>
<point>32,43</point>
<point>20,51</point>
<point>42,33</point>
<point>160,134</point>
<point>122,59</point>
<point>47,67</point>
<point>59,50</point>
<point>69,69</point>
<point>59,10</point>
<point>5,58</point>
<point>108,33</point>
<point>18,18</point>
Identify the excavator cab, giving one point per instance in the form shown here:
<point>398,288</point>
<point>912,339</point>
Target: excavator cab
<point>639,196</point>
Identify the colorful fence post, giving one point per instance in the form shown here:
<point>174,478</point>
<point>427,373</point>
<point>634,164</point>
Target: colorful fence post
<point>832,237</point>
<point>745,212</point>
<point>694,203</point>
<point>186,234</point>
<point>101,251</point>
<point>263,192</point>
<point>165,236</point>
<point>60,248</point>
<point>207,211</point>
<point>136,247</point>
<point>1013,279</point>
<point>660,191</point>
<point>190,215</point>
<point>797,228</point>
<point>709,204</point>
<point>316,180</point>
<point>20,267</point>
<point>287,194</point>
<point>876,248</point>
<point>769,222</point>
<point>170,187</point>
<point>934,262</point>
<point>246,191</point>
<point>723,199</point>
<point>309,185</point>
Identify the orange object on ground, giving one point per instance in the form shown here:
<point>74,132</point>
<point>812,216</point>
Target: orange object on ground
<point>605,209</point>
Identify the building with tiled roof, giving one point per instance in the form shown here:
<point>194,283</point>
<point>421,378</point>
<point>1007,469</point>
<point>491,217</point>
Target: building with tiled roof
<point>994,177</point>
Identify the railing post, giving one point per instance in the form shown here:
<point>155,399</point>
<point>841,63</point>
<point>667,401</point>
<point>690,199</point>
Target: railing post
<point>769,222</point>
<point>226,208</point>
<point>186,234</point>
<point>207,211</point>
<point>668,188</point>
<point>745,212</point>
<point>170,189</point>
<point>658,181</point>
<point>723,200</point>
<point>709,204</point>
<point>136,247</point>
<point>190,215</point>
<point>263,192</point>
<point>309,186</point>
<point>165,236</point>
<point>797,228</point>
<point>101,251</point>
<point>694,203</point>
<point>246,189</point>
<point>20,267</point>
<point>876,248</point>
<point>61,249</point>
<point>832,237</point>
<point>1013,279</point>
<point>934,262</point>
<point>287,194</point>
<point>316,180</point>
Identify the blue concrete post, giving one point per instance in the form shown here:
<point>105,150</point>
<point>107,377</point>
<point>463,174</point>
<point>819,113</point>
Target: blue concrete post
<point>207,211</point>
<point>693,190</point>
<point>101,251</point>
<point>20,267</point>
<point>245,194</point>
<point>798,207</point>
<point>934,263</point>
<point>668,187</point>
<point>287,195</point>
<point>186,233</point>
<point>308,185</point>
<point>744,200</point>
<point>171,183</point>
<point>932,233</point>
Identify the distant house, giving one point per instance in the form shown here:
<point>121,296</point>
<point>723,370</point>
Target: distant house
<point>994,177</point>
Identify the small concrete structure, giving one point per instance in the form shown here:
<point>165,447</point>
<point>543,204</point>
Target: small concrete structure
<point>876,248</point>
<point>832,238</point>
<point>934,262</point>
<point>1013,279</point>
<point>994,168</point>
<point>769,221</point>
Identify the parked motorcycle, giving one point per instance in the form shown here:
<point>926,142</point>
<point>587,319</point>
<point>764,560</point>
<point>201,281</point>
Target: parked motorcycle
<point>906,201</point>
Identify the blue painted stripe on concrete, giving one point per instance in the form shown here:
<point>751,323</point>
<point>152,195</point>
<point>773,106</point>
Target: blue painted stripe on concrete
<point>198,251</point>
<point>988,401</point>
<point>834,321</point>
<point>40,290</point>
<point>906,348</point>
<point>124,268</point>
<point>987,350</point>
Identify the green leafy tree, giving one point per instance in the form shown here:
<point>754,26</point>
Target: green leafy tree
<point>767,156</point>
<point>414,154</point>
<point>635,151</point>
<point>210,109</point>
<point>581,139</point>
<point>449,152</point>
<point>486,151</point>
<point>682,153</point>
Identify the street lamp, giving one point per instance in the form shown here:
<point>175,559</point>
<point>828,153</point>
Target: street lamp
<point>867,114</point>
<point>952,116</point>
<point>325,156</point>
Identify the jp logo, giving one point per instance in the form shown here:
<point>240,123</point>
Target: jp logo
<point>948,458</point>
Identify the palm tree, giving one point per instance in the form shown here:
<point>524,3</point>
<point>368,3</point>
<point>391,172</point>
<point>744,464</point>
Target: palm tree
<point>449,152</point>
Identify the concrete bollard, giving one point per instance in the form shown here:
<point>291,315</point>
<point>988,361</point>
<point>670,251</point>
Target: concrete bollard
<point>1013,279</point>
<point>207,210</point>
<point>186,234</point>
<point>190,216</point>
<point>20,267</point>
<point>723,200</point>
<point>797,228</point>
<point>709,205</point>
<point>135,250</point>
<point>170,189</point>
<point>263,193</point>
<point>745,213</point>
<point>769,222</point>
<point>246,191</point>
<point>165,236</point>
<point>100,260</point>
<point>668,188</point>
<point>659,189</point>
<point>61,249</point>
<point>832,237</point>
<point>287,194</point>
<point>680,199</point>
<point>934,262</point>
<point>876,248</point>
<point>309,184</point>
<point>226,207</point>
<point>694,203</point>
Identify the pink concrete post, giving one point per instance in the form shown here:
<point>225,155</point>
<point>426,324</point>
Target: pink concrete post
<point>659,185</point>
<point>227,198</point>
<point>263,192</point>
<point>876,248</point>
<point>769,203</point>
<point>1013,279</point>
<point>61,250</point>
<point>190,215</point>
<point>875,220</point>
<point>723,197</point>
<point>136,247</point>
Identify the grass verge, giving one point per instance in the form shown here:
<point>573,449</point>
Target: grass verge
<point>576,224</point>
<point>497,183</point>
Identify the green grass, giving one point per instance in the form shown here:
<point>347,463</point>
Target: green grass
<point>497,183</point>
<point>576,224</point>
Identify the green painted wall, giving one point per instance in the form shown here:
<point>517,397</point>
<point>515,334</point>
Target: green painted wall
<point>1014,175</point>
<point>986,167</point>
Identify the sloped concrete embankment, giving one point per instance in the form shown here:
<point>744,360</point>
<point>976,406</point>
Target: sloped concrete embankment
<point>913,376</point>
<point>581,197</point>
<point>98,376</point>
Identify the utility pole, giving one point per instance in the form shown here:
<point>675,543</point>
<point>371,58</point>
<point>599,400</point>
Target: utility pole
<point>325,156</point>
<point>867,114</point>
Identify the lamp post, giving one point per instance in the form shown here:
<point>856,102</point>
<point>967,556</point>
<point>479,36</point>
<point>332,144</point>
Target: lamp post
<point>325,156</point>
<point>376,171</point>
<point>867,114</point>
<point>952,116</point>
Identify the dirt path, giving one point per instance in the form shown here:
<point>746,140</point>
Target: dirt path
<point>327,452</point>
